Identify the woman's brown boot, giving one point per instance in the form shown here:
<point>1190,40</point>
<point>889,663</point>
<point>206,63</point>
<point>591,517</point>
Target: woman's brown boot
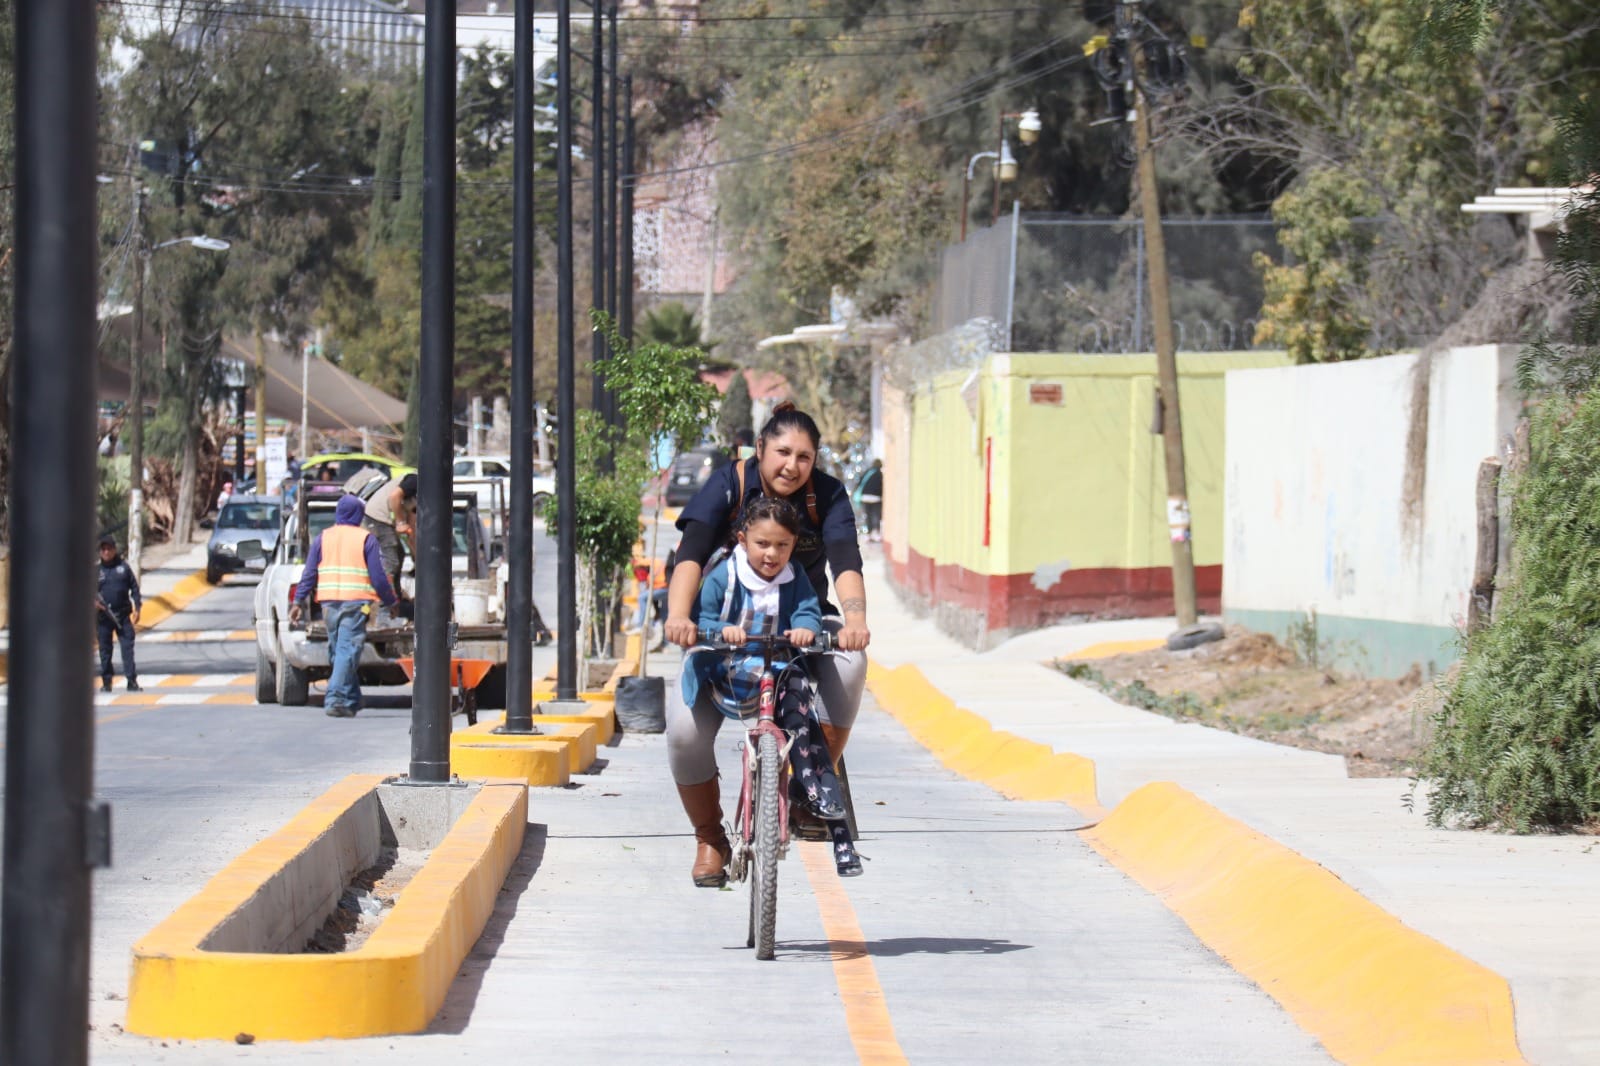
<point>703,804</point>
<point>837,738</point>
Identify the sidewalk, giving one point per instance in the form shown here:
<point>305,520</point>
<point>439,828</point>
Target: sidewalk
<point>1524,907</point>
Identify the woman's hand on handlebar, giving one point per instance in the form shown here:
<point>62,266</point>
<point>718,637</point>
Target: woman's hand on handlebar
<point>682,631</point>
<point>853,636</point>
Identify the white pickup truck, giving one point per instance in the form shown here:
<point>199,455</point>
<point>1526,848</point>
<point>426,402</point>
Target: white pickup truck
<point>290,657</point>
<point>479,473</point>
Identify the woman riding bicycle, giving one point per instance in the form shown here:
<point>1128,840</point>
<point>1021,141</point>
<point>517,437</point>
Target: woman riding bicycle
<point>786,453</point>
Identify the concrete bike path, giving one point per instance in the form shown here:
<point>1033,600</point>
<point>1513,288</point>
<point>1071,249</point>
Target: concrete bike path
<point>1521,907</point>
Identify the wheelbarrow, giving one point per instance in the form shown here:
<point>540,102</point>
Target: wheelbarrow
<point>465,677</point>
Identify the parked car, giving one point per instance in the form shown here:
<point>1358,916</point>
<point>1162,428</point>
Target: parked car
<point>690,470</point>
<point>469,468</point>
<point>242,518</point>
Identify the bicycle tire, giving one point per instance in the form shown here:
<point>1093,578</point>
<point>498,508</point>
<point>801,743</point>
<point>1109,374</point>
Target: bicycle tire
<point>764,885</point>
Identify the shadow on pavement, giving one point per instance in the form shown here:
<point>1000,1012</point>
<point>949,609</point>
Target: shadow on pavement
<point>904,945</point>
<point>462,999</point>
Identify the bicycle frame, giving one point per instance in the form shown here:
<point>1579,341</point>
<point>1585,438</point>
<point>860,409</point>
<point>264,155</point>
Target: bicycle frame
<point>765,722</point>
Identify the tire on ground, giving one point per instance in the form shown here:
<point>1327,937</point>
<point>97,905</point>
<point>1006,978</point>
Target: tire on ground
<point>266,678</point>
<point>1194,636</point>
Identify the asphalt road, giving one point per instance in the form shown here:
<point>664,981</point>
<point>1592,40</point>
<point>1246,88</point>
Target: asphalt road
<point>982,930</point>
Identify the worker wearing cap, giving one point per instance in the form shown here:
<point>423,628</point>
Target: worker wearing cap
<point>344,568</point>
<point>116,612</point>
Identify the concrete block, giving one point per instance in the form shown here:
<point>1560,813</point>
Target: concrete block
<point>419,816</point>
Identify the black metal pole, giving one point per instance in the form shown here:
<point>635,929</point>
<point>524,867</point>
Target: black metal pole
<point>611,168</point>
<point>44,917</point>
<point>612,171</point>
<point>430,698</point>
<point>566,386</point>
<point>519,597</point>
<point>625,282</point>
<point>597,222</point>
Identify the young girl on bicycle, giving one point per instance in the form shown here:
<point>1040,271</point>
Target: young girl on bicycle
<point>757,582</point>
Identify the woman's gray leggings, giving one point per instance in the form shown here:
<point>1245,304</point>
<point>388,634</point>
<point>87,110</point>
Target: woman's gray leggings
<point>692,734</point>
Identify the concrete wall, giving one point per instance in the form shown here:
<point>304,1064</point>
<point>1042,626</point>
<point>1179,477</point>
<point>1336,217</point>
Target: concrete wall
<point>1323,519</point>
<point>1036,491</point>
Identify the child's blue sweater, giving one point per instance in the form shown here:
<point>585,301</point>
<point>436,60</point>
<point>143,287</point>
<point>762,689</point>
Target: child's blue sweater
<point>798,608</point>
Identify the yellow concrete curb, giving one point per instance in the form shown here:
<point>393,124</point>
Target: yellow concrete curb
<point>539,762</point>
<point>1367,986</point>
<point>394,983</point>
<point>579,739</point>
<point>1370,988</point>
<point>164,605</point>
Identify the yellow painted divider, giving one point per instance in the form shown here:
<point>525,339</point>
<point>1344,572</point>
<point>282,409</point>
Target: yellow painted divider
<point>535,762</point>
<point>164,605</point>
<point>577,739</point>
<point>1370,988</point>
<point>394,983</point>
<point>1367,986</point>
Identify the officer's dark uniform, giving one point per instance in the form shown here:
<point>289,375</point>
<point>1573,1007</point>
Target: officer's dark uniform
<point>119,594</point>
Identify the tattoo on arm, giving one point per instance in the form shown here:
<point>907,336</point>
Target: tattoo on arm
<point>853,605</point>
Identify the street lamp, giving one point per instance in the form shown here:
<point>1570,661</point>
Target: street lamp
<point>1029,127</point>
<point>136,380</point>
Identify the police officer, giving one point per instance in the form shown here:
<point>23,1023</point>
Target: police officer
<point>116,612</point>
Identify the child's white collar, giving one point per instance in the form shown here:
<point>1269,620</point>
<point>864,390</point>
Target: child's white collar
<point>754,582</point>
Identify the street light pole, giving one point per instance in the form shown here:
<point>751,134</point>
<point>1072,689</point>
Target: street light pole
<point>519,595</point>
<point>54,832</point>
<point>566,401</point>
<point>430,701</point>
<point>597,212</point>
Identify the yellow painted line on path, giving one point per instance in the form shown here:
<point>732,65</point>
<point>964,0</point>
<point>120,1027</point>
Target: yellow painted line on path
<point>182,680</point>
<point>1106,649</point>
<point>866,1014</point>
<point>1370,988</point>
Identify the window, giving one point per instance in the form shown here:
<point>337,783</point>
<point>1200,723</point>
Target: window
<point>248,516</point>
<point>495,470</point>
<point>464,468</point>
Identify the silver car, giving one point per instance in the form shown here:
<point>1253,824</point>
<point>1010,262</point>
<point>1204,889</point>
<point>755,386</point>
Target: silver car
<point>242,518</point>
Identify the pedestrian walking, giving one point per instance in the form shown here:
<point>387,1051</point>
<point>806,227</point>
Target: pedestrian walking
<point>116,602</point>
<point>391,514</point>
<point>344,570</point>
<point>870,492</point>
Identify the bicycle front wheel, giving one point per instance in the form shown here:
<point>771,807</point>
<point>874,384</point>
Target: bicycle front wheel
<point>764,885</point>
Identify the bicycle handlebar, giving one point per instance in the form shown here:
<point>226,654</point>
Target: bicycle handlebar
<point>711,640</point>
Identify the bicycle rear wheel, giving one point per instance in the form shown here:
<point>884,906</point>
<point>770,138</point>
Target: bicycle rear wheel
<point>764,885</point>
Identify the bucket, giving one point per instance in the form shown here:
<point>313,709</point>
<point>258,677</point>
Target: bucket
<point>642,704</point>
<point>472,603</point>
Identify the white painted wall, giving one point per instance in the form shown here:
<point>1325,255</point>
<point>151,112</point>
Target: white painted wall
<point>1315,470</point>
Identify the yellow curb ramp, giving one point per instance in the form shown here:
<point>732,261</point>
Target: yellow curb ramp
<point>1106,649</point>
<point>576,738</point>
<point>394,983</point>
<point>1371,989</point>
<point>164,605</point>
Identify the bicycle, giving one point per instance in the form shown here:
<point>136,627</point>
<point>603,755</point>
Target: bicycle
<point>759,834</point>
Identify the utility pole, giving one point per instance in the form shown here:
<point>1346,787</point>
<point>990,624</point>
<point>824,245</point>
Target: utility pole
<point>1178,528</point>
<point>711,276</point>
<point>261,411</point>
<point>135,536</point>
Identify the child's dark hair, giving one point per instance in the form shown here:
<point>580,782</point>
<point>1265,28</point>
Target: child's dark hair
<point>770,507</point>
<point>787,416</point>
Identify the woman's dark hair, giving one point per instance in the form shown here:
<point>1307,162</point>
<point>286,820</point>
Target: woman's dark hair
<point>787,416</point>
<point>778,510</point>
